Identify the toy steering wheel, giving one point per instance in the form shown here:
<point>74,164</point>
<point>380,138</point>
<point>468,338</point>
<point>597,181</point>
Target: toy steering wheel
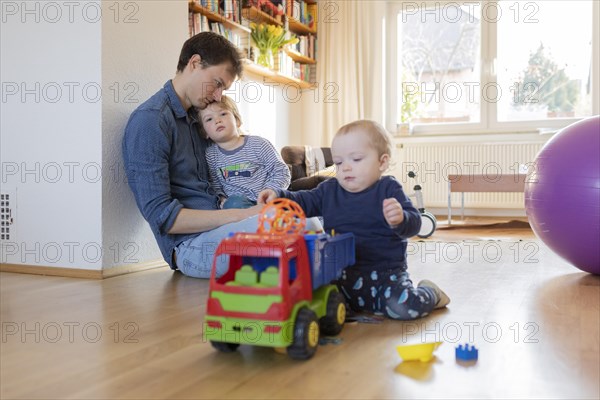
<point>281,217</point>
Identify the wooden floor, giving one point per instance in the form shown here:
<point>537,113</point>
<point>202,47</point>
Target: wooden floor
<point>534,318</point>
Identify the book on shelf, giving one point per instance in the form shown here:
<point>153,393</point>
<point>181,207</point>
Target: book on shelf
<point>294,69</point>
<point>312,10</point>
<point>204,24</point>
<point>210,5</point>
<point>303,12</point>
<point>197,23</point>
<point>293,9</point>
<point>229,9</point>
<point>200,23</point>
<point>273,8</point>
<point>306,46</point>
<point>285,65</point>
<point>301,71</point>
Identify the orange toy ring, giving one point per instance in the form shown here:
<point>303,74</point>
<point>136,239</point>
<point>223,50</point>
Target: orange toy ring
<point>281,216</point>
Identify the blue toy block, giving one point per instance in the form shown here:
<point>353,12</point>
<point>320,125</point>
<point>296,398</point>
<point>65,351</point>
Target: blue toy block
<point>466,353</point>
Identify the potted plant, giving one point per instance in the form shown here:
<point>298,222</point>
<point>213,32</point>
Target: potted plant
<point>268,39</point>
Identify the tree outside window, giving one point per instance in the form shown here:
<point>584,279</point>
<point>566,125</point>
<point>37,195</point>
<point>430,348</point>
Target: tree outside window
<point>543,85</point>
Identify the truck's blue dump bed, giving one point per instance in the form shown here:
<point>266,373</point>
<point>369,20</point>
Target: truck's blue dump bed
<point>329,255</point>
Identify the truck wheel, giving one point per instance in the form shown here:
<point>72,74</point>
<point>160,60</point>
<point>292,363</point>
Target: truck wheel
<point>306,335</point>
<point>333,322</point>
<point>224,346</point>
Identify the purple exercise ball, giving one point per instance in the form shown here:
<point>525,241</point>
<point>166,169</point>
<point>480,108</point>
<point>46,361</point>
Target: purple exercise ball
<point>562,195</point>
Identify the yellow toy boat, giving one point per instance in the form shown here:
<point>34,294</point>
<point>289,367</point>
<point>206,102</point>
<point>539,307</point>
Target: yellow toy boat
<point>417,352</point>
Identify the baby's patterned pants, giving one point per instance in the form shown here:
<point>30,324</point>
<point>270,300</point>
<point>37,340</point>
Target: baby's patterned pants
<point>388,292</point>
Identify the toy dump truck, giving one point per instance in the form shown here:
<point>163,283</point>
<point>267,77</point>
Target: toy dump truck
<point>276,291</point>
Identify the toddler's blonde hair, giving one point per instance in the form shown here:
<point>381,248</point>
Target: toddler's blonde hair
<point>380,138</point>
<point>228,104</point>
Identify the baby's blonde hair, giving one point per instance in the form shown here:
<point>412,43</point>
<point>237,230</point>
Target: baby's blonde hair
<point>380,138</point>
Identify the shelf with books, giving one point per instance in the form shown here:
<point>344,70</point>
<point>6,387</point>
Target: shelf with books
<point>301,19</point>
<point>202,18</point>
<point>302,16</point>
<point>272,76</point>
<point>212,16</point>
<point>293,65</point>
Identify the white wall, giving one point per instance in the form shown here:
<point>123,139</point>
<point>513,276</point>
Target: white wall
<point>140,50</point>
<point>270,110</point>
<point>312,125</point>
<point>51,133</point>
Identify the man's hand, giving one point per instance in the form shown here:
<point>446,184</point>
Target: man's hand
<point>393,212</point>
<point>266,196</point>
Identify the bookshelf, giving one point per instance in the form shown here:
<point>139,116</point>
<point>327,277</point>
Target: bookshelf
<point>300,28</point>
<point>255,15</point>
<point>301,58</point>
<point>271,76</point>
<point>212,16</point>
<point>296,64</point>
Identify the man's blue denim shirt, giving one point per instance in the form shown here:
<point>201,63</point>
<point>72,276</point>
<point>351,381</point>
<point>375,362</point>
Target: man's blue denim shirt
<point>165,165</point>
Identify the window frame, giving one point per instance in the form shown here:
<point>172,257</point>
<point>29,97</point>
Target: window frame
<point>488,116</point>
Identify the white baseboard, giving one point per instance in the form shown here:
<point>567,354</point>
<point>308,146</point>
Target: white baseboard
<point>82,273</point>
<point>479,212</point>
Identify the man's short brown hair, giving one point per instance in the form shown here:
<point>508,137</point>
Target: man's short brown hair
<point>213,49</point>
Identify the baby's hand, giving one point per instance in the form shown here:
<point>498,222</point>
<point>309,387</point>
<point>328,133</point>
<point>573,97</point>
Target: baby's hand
<point>393,212</point>
<point>266,196</point>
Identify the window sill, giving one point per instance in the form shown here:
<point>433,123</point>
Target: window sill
<point>479,137</point>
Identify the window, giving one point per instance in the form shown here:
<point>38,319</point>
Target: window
<point>478,66</point>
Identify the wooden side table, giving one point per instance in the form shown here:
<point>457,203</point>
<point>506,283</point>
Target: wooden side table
<point>482,183</point>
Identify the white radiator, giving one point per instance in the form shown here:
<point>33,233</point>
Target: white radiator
<point>433,162</point>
